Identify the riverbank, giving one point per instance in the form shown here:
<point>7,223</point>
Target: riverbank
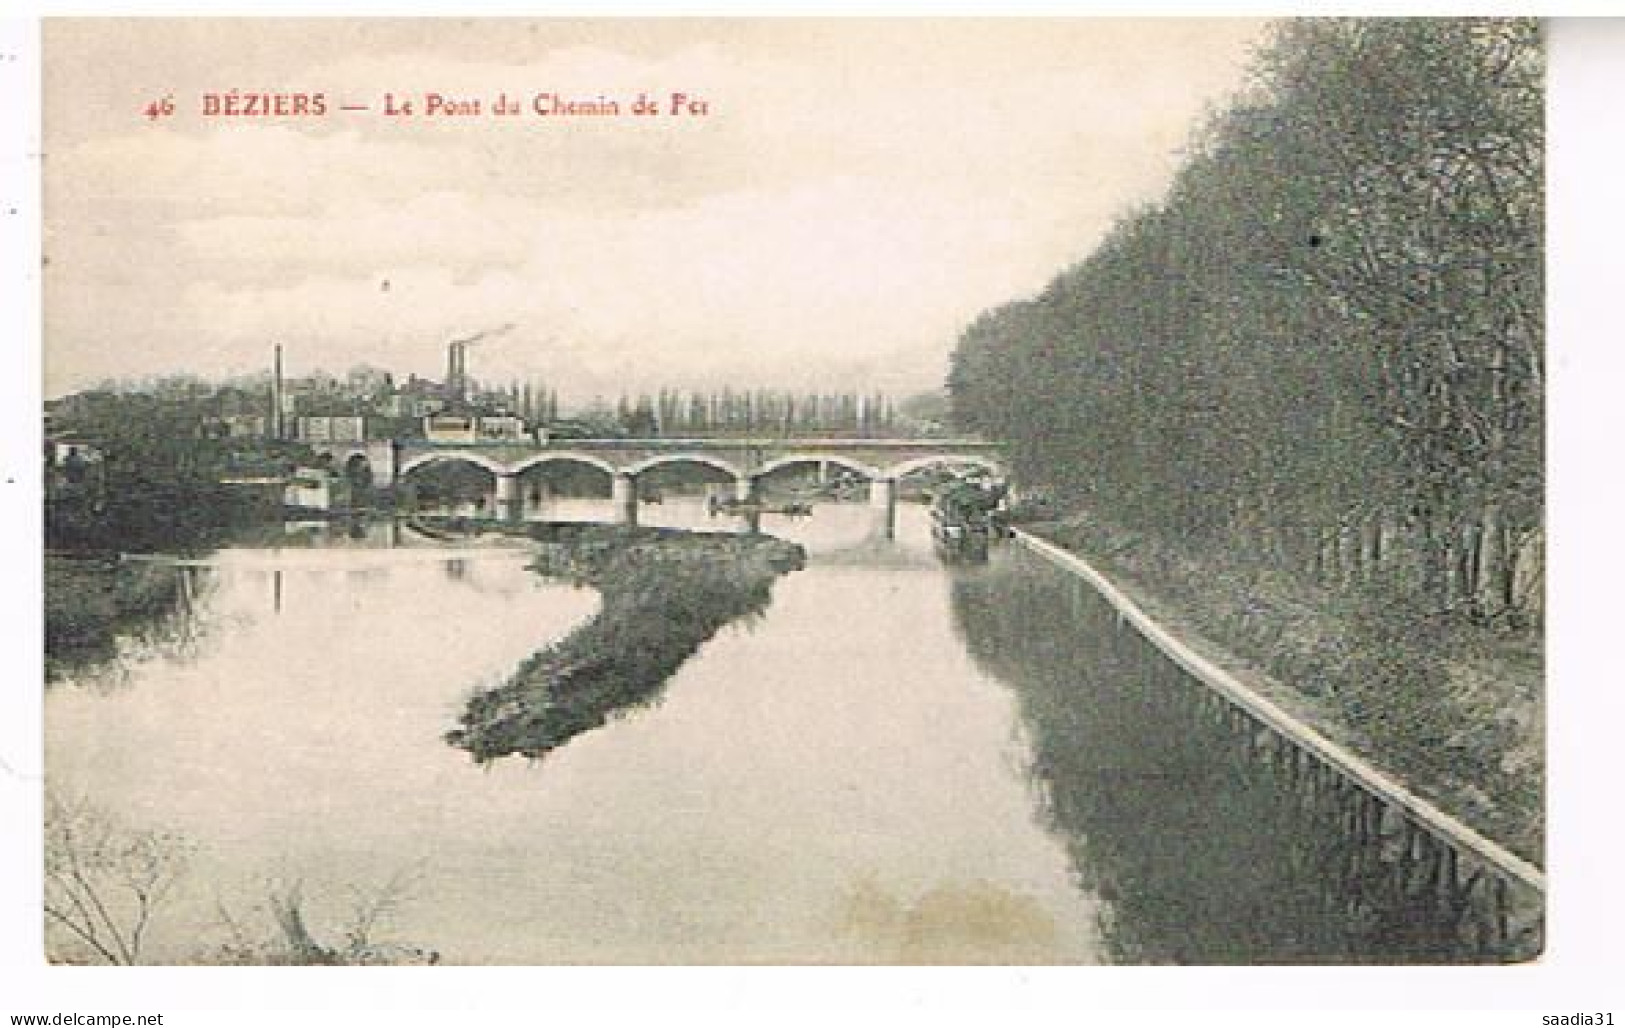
<point>664,593</point>
<point>90,601</point>
<point>1454,712</point>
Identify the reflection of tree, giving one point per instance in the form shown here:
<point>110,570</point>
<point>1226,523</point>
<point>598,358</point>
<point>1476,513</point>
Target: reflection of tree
<point>100,616</point>
<point>1202,851</point>
<point>663,596</point>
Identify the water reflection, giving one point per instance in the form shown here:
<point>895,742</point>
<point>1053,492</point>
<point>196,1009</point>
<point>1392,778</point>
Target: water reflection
<point>839,784</point>
<point>897,762</point>
<point>1203,852</point>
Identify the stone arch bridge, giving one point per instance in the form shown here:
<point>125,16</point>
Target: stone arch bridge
<point>881,461</point>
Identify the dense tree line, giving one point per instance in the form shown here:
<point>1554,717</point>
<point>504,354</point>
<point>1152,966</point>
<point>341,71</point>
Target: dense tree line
<point>1324,347</point>
<point>156,482</point>
<point>673,412</point>
<point>533,401</point>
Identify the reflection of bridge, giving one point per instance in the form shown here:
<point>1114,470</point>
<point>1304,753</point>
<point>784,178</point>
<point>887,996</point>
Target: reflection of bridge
<point>745,461</point>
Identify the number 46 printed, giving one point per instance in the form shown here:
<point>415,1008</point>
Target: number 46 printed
<point>160,108</point>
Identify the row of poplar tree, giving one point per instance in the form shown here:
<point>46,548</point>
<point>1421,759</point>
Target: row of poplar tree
<point>1323,348</point>
<point>673,412</point>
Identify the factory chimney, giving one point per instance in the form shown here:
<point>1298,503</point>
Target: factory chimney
<point>276,395</point>
<point>456,372</point>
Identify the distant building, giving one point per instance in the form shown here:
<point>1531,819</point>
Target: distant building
<point>235,426</point>
<point>405,405</point>
<point>331,428</point>
<point>502,428</point>
<point>316,489</point>
<point>75,472</point>
<point>67,451</point>
<point>416,398</point>
<point>474,428</point>
<point>451,428</point>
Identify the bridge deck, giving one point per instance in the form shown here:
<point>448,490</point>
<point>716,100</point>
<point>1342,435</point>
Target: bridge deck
<point>738,457</point>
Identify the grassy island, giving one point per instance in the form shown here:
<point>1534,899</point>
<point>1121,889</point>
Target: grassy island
<point>665,592</point>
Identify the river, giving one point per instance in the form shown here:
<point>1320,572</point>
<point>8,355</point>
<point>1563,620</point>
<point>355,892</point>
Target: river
<point>899,762</point>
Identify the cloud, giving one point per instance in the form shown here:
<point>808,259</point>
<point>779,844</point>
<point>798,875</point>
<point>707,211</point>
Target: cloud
<point>454,230</point>
<point>731,281</point>
<point>847,207</point>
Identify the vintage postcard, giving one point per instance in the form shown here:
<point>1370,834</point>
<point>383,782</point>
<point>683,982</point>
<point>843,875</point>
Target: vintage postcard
<point>794,491</point>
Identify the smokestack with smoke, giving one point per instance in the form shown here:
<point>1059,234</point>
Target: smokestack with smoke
<point>457,361</point>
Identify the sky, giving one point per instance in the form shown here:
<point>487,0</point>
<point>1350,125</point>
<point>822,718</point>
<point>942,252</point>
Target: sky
<point>854,193</point>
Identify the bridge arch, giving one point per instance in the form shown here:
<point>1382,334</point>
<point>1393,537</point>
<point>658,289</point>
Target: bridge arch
<point>357,469</point>
<point>946,460</point>
<point>379,454</point>
<point>564,456</point>
<point>851,464</point>
<point>477,459</point>
<point>657,460</point>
